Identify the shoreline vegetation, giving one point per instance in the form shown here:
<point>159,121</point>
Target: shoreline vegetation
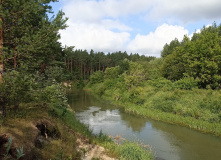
<point>176,119</point>
<point>162,100</point>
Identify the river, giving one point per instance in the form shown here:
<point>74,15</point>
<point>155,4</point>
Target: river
<point>168,142</point>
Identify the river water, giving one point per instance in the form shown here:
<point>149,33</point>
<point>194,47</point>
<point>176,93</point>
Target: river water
<point>168,142</point>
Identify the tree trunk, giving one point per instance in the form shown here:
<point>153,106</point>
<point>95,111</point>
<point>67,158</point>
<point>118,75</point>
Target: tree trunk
<point>15,60</point>
<point>42,68</point>
<point>1,49</point>
<point>2,99</point>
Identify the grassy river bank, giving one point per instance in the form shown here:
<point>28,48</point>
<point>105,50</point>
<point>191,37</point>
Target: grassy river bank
<point>198,109</point>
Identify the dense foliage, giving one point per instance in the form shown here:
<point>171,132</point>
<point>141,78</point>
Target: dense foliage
<point>28,49</point>
<point>198,57</point>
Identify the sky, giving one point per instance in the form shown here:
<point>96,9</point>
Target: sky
<point>134,26</point>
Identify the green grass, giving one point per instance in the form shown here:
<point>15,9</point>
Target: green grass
<point>198,109</point>
<point>125,150</point>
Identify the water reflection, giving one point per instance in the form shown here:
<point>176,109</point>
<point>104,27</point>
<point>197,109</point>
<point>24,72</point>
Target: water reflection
<point>170,142</point>
<point>136,123</point>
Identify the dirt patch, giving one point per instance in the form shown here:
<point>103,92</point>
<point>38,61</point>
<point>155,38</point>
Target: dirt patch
<point>89,151</point>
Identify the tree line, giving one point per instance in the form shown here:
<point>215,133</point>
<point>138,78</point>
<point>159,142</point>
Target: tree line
<point>81,63</point>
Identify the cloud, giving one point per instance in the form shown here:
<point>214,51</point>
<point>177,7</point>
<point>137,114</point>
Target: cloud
<point>186,10</point>
<point>183,10</point>
<point>98,24</point>
<point>92,10</point>
<point>95,37</point>
<point>152,44</point>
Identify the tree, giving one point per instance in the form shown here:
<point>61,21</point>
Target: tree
<point>169,48</point>
<point>1,45</point>
<point>29,35</point>
<point>28,41</point>
<point>204,57</point>
<point>173,66</point>
<point>135,75</point>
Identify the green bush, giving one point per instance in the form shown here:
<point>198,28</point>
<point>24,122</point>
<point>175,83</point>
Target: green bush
<point>136,95</point>
<point>99,89</point>
<point>111,73</point>
<point>160,83</point>
<point>164,101</point>
<point>97,77</point>
<point>16,87</point>
<point>55,73</point>
<point>187,83</point>
<point>55,96</point>
<point>134,151</point>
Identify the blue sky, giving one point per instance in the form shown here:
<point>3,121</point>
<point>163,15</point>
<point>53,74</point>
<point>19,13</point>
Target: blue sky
<point>135,26</point>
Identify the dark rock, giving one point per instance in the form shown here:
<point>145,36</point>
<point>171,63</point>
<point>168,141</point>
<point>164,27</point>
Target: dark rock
<point>41,141</point>
<point>47,129</point>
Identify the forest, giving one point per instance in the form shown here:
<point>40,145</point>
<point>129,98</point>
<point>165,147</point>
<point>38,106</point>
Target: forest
<point>182,87</point>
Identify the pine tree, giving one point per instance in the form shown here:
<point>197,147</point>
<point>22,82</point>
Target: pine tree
<point>30,41</point>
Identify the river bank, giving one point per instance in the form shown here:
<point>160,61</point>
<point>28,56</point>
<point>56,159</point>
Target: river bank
<point>189,108</point>
<point>169,142</point>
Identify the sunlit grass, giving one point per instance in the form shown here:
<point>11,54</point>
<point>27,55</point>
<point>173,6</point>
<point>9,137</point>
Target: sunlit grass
<point>199,109</point>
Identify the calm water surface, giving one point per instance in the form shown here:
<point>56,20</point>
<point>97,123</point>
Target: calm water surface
<point>169,142</point>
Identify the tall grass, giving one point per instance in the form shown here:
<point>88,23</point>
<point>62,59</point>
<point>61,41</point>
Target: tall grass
<point>199,109</point>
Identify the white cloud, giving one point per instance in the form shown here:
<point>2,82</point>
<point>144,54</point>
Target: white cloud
<point>95,24</point>
<point>92,10</point>
<point>152,44</point>
<point>183,10</point>
<point>93,36</point>
<point>186,10</point>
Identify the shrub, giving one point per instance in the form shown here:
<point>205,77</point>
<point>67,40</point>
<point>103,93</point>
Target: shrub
<point>99,89</point>
<point>187,83</point>
<point>55,96</point>
<point>135,95</point>
<point>111,73</point>
<point>55,73</point>
<point>134,151</point>
<point>164,101</point>
<point>160,83</point>
<point>97,77</point>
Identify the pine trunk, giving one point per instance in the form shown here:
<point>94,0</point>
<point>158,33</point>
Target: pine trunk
<point>42,68</point>
<point>2,99</point>
<point>15,60</point>
<point>1,48</point>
